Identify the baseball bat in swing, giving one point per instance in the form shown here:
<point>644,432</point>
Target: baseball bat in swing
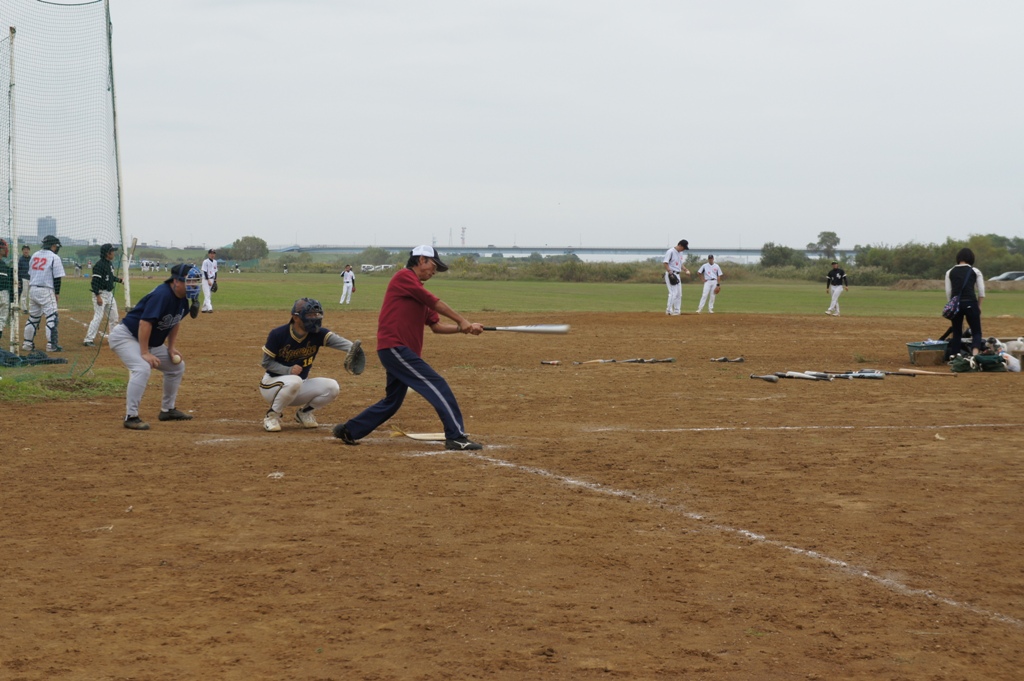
<point>532,328</point>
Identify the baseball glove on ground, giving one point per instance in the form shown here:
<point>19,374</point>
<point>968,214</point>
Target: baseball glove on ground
<point>213,287</point>
<point>717,289</point>
<point>672,278</point>
<point>355,360</point>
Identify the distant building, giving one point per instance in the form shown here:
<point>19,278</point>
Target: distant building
<point>47,225</point>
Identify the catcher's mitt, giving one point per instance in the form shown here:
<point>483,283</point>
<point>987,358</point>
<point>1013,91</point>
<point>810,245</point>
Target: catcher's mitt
<point>672,278</point>
<point>717,289</point>
<point>213,287</point>
<point>355,360</point>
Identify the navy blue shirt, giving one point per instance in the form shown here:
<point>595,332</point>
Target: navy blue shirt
<point>283,347</point>
<point>161,308</point>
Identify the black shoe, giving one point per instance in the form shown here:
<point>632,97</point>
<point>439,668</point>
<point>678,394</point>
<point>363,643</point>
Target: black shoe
<point>174,415</point>
<point>462,444</point>
<point>341,432</point>
<point>88,344</point>
<point>135,423</point>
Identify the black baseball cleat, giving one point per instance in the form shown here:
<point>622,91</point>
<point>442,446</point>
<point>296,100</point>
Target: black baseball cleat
<point>135,423</point>
<point>462,444</point>
<point>341,432</point>
<point>174,415</point>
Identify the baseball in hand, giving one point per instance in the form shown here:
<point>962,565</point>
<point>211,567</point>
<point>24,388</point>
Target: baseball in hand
<point>175,359</point>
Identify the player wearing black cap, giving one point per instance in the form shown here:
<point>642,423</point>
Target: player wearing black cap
<point>103,303</point>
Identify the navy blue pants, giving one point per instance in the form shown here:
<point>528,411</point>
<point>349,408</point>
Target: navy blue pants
<point>406,369</point>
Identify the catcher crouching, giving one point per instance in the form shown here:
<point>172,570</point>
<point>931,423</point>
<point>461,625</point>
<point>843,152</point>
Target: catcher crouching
<point>288,355</point>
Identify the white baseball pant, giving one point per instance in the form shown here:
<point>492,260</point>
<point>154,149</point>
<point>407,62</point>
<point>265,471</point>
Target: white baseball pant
<point>207,295</point>
<point>675,296</point>
<point>836,292</point>
<point>42,302</point>
<point>708,295</point>
<point>108,309</point>
<point>346,295</point>
<point>291,391</point>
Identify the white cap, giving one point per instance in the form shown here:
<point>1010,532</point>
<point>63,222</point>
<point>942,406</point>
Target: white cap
<point>431,252</point>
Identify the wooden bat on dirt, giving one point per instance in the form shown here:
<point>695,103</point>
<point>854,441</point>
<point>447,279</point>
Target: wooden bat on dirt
<point>922,372</point>
<point>879,371</point>
<point>771,378</point>
<point>532,328</point>
<point>597,361</point>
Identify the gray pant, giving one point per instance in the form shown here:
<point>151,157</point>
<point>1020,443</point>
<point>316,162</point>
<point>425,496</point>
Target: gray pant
<point>126,346</point>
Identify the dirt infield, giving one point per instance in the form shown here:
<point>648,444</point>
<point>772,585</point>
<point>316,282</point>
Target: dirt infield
<point>627,521</point>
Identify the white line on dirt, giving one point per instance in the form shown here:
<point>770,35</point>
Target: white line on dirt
<point>841,565</point>
<point>713,429</point>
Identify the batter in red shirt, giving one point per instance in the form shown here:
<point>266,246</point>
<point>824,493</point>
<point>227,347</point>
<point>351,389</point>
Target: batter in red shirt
<point>407,309</point>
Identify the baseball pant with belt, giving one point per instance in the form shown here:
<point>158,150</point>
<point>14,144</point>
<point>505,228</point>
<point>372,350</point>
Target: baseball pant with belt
<point>708,295</point>
<point>675,295</point>
<point>108,309</point>
<point>42,302</point>
<point>291,391</point>
<point>836,292</point>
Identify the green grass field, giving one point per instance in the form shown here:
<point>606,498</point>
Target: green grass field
<point>264,291</point>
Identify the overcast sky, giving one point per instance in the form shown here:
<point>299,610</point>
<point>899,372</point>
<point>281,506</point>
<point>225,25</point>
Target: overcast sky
<point>570,122</point>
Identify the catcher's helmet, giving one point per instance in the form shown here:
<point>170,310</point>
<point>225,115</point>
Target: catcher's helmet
<point>49,241</point>
<point>107,248</point>
<point>311,312</point>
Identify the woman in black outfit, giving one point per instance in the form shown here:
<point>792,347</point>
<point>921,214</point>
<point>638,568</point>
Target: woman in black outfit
<point>962,280</point>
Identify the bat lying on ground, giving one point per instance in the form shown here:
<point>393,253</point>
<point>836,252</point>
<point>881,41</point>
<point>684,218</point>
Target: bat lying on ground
<point>597,361</point>
<point>922,372</point>
<point>423,437</point>
<point>771,378</point>
<point>798,374</point>
<point>849,374</point>
<point>532,328</point>
<point>879,371</point>
<point>726,359</point>
<point>555,362</point>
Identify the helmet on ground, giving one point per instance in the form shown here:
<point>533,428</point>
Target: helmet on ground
<point>49,241</point>
<point>107,248</point>
<point>311,312</point>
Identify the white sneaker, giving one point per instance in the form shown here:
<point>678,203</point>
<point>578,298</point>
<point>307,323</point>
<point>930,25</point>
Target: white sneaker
<point>828,312</point>
<point>272,422</point>
<point>306,418</point>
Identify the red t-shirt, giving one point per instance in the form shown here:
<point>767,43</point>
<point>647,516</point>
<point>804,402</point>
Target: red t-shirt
<point>408,307</point>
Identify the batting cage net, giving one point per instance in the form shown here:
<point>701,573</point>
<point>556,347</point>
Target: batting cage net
<point>59,170</point>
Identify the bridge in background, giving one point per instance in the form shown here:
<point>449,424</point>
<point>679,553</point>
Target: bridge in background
<point>591,254</point>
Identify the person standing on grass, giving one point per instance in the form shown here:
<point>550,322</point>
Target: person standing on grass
<point>348,285</point>
<point>835,282</point>
<point>408,307</point>
<point>674,267</point>
<point>103,303</point>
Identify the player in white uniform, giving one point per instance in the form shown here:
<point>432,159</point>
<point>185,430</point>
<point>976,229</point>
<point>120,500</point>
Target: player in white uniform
<point>46,270</point>
<point>712,274</point>
<point>673,262</point>
<point>209,270</point>
<point>349,287</point>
